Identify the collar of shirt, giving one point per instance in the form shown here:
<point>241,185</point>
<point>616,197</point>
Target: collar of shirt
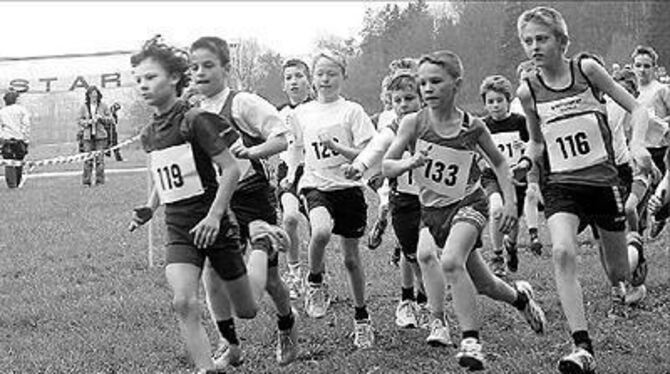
<point>215,103</point>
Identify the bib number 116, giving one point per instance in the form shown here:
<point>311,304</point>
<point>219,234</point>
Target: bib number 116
<point>574,145</point>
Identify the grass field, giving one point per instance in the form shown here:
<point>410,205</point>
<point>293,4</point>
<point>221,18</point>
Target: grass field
<point>76,296</point>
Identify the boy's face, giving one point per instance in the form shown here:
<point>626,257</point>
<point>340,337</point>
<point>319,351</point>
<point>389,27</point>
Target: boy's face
<point>405,101</point>
<point>328,79</point>
<point>437,87</point>
<point>643,65</point>
<point>540,44</point>
<point>208,74</point>
<point>296,84</point>
<point>496,104</point>
<point>154,83</point>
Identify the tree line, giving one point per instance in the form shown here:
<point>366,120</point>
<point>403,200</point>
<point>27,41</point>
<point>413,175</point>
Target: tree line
<point>483,34</point>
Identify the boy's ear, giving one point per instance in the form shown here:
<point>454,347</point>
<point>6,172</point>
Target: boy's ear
<point>458,83</point>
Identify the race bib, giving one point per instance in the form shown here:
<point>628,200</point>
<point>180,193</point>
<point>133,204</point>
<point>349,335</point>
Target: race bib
<point>574,143</point>
<point>406,182</point>
<point>316,153</point>
<point>174,173</point>
<point>446,171</point>
<point>510,145</point>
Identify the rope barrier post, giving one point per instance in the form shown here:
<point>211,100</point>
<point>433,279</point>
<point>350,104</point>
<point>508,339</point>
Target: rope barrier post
<point>150,234</point>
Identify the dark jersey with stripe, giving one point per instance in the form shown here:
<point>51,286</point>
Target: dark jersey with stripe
<point>208,134</point>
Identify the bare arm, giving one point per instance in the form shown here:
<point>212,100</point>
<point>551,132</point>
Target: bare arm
<point>230,174</point>
<point>639,116</point>
<point>393,165</point>
<point>206,231</point>
<point>270,147</point>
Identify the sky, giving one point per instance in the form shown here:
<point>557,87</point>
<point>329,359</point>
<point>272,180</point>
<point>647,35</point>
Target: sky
<point>290,28</point>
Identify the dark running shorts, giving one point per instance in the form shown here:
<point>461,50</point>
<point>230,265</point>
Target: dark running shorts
<point>406,220</point>
<point>255,204</point>
<point>225,255</point>
<point>599,205</point>
<point>347,207</point>
<point>472,209</point>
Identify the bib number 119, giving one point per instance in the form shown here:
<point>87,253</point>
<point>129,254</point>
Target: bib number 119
<point>170,177</point>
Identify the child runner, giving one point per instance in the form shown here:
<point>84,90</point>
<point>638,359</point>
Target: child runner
<point>655,97</point>
<point>510,136</point>
<point>404,201</point>
<point>446,142</point>
<point>262,134</point>
<point>334,130</point>
<point>571,143</point>
<point>377,182</point>
<point>533,199</point>
<point>638,186</point>
<point>296,78</point>
<point>183,145</point>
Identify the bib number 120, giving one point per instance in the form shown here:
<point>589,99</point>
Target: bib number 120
<point>574,145</point>
<point>170,177</point>
<point>322,151</point>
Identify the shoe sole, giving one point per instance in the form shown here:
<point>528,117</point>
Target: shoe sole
<point>471,363</point>
<point>406,326</point>
<point>568,367</point>
<point>439,343</point>
<point>536,249</point>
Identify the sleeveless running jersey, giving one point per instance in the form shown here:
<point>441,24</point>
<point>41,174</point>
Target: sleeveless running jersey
<point>577,137</point>
<point>451,172</point>
<point>258,179</point>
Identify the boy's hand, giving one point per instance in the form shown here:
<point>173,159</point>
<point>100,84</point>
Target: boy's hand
<point>642,159</point>
<point>509,218</point>
<point>419,158</point>
<point>285,183</point>
<point>205,232</point>
<point>141,215</point>
<point>656,201</point>
<point>353,171</point>
<point>240,151</point>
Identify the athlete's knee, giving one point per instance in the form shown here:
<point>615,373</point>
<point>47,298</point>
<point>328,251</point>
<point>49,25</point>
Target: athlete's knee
<point>185,305</point>
<point>290,220</point>
<point>321,235</point>
<point>452,265</point>
<point>426,255</point>
<point>564,254</point>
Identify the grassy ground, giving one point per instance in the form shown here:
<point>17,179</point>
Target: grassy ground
<point>76,296</point>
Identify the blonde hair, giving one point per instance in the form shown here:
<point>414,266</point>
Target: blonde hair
<point>448,60</point>
<point>334,57</point>
<point>496,83</point>
<point>547,17</point>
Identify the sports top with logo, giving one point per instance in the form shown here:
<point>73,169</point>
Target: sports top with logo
<point>577,137</point>
<point>181,143</point>
<point>451,173</point>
